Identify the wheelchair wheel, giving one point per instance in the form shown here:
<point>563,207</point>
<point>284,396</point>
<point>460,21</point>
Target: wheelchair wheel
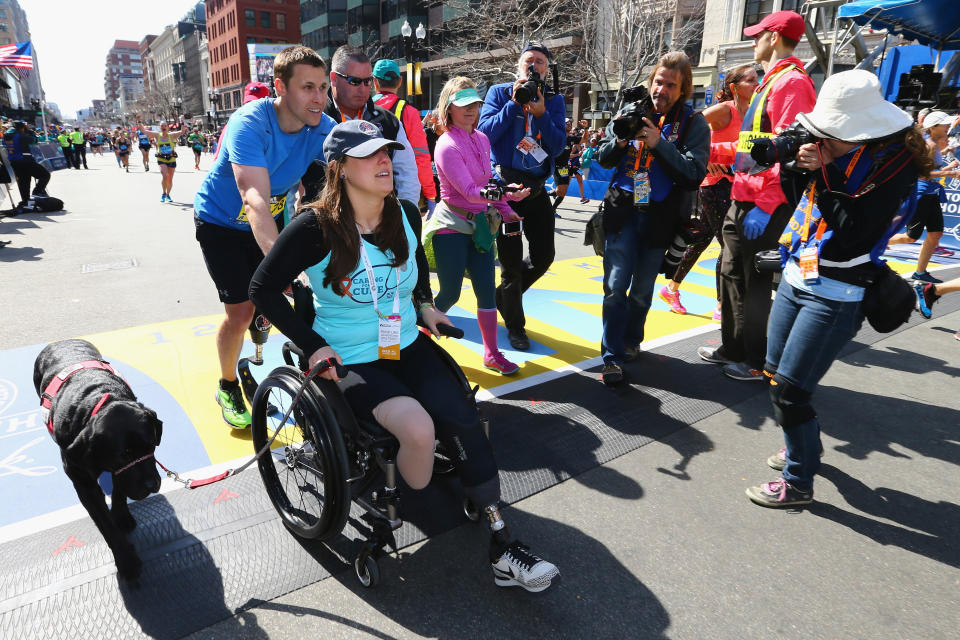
<point>305,473</point>
<point>367,570</point>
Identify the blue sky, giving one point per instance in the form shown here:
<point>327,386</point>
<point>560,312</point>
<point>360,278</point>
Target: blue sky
<point>72,38</point>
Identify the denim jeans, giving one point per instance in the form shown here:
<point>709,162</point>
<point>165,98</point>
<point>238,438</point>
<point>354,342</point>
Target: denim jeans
<point>806,333</point>
<point>628,264</point>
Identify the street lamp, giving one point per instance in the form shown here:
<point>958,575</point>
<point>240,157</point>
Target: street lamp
<point>412,50</point>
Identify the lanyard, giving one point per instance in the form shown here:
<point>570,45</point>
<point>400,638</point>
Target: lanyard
<point>641,147</point>
<point>811,197</point>
<point>371,279</point>
<point>343,118</point>
<point>528,122</point>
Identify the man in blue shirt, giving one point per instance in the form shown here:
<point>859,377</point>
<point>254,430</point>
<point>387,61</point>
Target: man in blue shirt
<point>525,137</point>
<point>267,147</point>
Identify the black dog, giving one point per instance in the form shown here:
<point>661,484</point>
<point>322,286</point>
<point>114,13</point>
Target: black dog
<point>99,426</point>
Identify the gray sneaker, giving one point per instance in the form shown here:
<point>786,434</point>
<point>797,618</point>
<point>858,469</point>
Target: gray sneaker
<point>742,371</point>
<point>713,355</point>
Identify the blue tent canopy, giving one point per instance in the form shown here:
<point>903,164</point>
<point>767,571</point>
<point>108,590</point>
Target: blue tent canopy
<point>931,22</point>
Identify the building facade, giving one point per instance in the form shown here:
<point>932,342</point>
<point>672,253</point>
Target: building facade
<point>123,77</point>
<point>231,25</point>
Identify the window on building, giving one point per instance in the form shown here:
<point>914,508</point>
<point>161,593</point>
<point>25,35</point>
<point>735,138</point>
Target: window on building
<point>236,97</point>
<point>251,40</point>
<point>282,21</point>
<point>4,40</point>
<point>227,101</point>
<point>756,10</point>
<point>251,17</point>
<point>265,21</point>
<point>3,12</point>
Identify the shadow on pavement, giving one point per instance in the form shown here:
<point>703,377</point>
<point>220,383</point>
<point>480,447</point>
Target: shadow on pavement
<point>14,254</point>
<point>445,589</point>
<point>897,359</point>
<point>921,526</point>
<point>181,588</point>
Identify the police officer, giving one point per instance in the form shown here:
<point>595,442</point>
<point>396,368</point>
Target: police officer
<point>524,139</point>
<point>64,139</point>
<point>79,142</point>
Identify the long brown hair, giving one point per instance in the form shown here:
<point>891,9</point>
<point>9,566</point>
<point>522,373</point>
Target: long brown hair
<point>912,139</point>
<point>335,216</point>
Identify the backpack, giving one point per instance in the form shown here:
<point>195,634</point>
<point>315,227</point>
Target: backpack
<point>47,204</point>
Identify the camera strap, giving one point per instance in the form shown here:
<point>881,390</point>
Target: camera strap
<point>812,196</point>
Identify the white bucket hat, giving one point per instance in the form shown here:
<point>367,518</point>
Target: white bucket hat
<point>851,108</point>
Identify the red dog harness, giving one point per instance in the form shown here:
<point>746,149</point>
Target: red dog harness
<point>46,398</point>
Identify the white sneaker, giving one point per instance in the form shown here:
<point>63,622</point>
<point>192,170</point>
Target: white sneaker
<point>518,567</point>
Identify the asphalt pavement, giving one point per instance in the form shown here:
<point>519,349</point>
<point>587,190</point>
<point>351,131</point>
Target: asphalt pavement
<point>659,542</point>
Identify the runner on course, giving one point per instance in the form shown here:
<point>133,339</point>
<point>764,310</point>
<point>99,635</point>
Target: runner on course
<point>166,142</point>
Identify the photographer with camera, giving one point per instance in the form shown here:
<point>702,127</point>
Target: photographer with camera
<point>25,166</point>
<point>760,209</point>
<point>863,167</point>
<point>461,231</point>
<point>659,147</point>
<point>526,126</point>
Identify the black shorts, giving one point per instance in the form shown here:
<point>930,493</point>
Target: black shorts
<point>929,216</point>
<point>172,165</point>
<point>231,256</point>
<point>145,147</point>
<point>559,179</point>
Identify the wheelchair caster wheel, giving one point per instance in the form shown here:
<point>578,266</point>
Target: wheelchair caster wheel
<point>470,510</point>
<point>367,571</point>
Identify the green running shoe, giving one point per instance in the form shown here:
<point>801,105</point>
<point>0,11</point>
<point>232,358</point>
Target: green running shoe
<point>233,408</point>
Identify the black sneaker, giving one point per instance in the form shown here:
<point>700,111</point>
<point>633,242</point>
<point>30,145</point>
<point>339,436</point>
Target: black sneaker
<point>518,339</point>
<point>40,192</point>
<point>611,374</point>
<point>779,494</point>
<point>519,567</point>
<point>631,353</point>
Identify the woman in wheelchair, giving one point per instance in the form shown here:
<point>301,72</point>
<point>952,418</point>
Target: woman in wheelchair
<point>360,248</point>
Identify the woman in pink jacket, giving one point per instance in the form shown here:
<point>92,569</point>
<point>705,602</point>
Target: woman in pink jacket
<point>462,157</point>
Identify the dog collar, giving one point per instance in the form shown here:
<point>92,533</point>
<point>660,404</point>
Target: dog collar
<point>46,398</point>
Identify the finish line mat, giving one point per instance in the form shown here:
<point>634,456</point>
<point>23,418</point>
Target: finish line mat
<point>211,552</point>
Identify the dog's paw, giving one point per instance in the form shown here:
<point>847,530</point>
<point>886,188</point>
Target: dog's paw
<point>123,520</point>
<point>129,566</point>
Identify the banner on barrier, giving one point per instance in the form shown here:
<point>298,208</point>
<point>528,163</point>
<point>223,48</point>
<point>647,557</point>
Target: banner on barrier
<point>49,155</point>
<point>951,215</point>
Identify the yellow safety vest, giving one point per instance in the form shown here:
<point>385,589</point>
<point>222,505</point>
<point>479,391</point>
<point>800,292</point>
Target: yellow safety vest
<point>753,119</point>
<point>63,140</point>
<point>77,137</point>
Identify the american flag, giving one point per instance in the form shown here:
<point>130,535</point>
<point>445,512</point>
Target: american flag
<point>19,56</point>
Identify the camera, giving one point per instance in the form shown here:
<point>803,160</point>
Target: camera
<point>630,121</point>
<point>528,90</point>
<point>783,148</point>
<point>494,191</point>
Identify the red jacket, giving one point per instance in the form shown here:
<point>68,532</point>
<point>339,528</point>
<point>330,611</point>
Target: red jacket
<point>793,93</point>
<point>410,119</point>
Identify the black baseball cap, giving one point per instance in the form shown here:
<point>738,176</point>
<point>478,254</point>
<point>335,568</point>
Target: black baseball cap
<point>357,139</point>
<point>536,45</point>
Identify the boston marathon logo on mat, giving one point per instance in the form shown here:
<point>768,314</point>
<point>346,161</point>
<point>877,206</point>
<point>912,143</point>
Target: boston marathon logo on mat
<point>357,288</point>
<point>8,393</point>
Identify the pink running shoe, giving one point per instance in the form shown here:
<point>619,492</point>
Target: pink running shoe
<point>499,363</point>
<point>672,299</point>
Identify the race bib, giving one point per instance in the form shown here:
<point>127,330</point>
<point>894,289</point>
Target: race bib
<point>388,339</point>
<point>563,172</point>
<point>641,187</point>
<point>810,265</point>
<point>528,146</point>
<point>277,205</point>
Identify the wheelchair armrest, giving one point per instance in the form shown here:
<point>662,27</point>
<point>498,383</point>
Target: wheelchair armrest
<point>289,351</point>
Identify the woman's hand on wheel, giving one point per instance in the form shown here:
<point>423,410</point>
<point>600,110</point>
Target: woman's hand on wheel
<point>324,354</point>
<point>432,317</point>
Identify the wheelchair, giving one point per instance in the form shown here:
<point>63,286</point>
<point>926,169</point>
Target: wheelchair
<point>323,458</point>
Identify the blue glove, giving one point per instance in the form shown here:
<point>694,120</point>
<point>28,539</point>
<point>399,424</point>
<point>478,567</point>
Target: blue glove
<point>430,206</point>
<point>755,222</point>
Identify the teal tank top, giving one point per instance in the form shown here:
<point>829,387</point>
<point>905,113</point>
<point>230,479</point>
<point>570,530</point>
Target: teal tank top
<point>349,323</point>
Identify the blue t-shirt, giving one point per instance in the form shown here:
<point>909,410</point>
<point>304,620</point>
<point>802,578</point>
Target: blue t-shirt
<point>254,138</point>
<point>349,323</point>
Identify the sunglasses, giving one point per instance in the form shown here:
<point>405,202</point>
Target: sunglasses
<point>354,81</point>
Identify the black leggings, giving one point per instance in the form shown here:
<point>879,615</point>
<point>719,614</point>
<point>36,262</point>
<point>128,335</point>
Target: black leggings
<point>420,373</point>
<point>714,203</point>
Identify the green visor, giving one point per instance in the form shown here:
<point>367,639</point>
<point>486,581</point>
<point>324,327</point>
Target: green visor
<point>466,96</point>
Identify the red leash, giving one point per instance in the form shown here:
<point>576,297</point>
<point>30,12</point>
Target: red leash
<point>193,484</point>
